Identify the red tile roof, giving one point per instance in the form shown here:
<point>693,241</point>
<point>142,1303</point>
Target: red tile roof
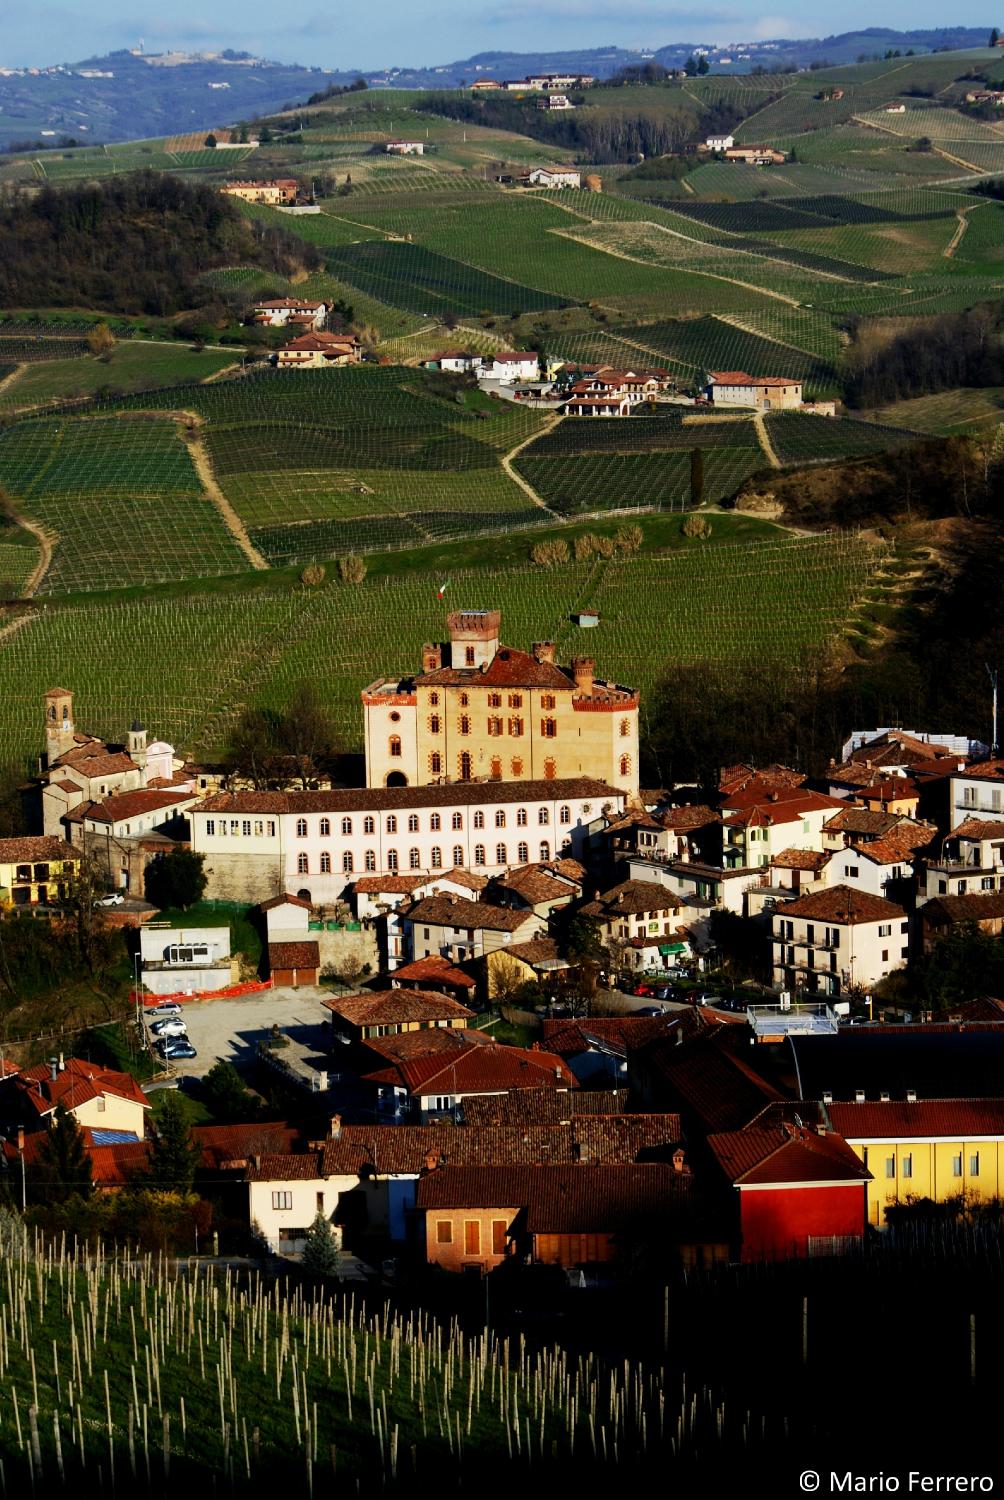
<point>482,1070</point>
<point>133,804</point>
<point>537,951</point>
<point>429,1041</point>
<point>802,859</point>
<point>632,898</point>
<point>845,905</point>
<point>971,828</point>
<point>895,1119</point>
<point>305,955</point>
<point>569,1038</point>
<point>437,968</point>
<point>230,1147</point>
<point>363,799</point>
<point>30,850</point>
<point>78,1083</point>
<point>545,1106</point>
<point>393,885</point>
<point>562,1200</point>
<point>534,886</point>
<point>396,1007</point>
<point>785,1155</point>
<point>976,907</point>
<point>447,910</point>
<point>707,1079</point>
<point>284,901</point>
<point>986,770</point>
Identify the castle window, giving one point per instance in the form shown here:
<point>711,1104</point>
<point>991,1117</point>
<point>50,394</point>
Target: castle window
<point>547,700</point>
<point>437,859</point>
<point>414,859</point>
<point>457,821</point>
<point>517,766</point>
<point>501,857</point>
<point>479,854</point>
<point>325,828</point>
<point>494,726</point>
<point>548,728</point>
<point>494,700</point>
<point>435,823</point>
<point>515,728</point>
<point>543,816</point>
<point>464,724</point>
<point>302,865</point>
<point>391,824</point>
<point>464,700</point>
<point>521,817</point>
<point>347,863</point>
<point>565,815</point>
<point>625,728</point>
<point>434,700</point>
<point>413,822</point>
<point>469,655</point>
<point>434,724</point>
<point>392,860</point>
<point>515,700</point>
<point>466,765</point>
<point>458,854</point>
<point>435,764</point>
<point>625,765</point>
<point>369,825</point>
<point>479,819</point>
<point>394,745</point>
<point>495,768</point>
<point>347,826</point>
<point>500,819</point>
<point>369,860</point>
<point>301,828</point>
<point>550,769</point>
<point>325,864</point>
<point>545,850</point>
<point>523,853</point>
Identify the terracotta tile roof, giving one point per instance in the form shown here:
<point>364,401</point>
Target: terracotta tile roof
<point>284,901</point>
<point>896,1119</point>
<point>489,1069</point>
<point>66,785</point>
<point>507,668</point>
<point>394,885</point>
<point>861,820</point>
<point>363,799</point>
<point>438,968</point>
<point>305,955</point>
<point>684,819</point>
<point>900,750</point>
<point>97,765</point>
<point>79,1082</point>
<point>230,1147</point>
<point>767,779</point>
<point>977,907</point>
<point>971,828</point>
<point>134,804</point>
<point>987,770</point>
<point>633,897</point>
<point>454,911</point>
<point>536,951</point>
<point>284,1166</point>
<point>563,1200</point>
<point>785,1155</point>
<point>543,1106</point>
<point>802,859</point>
<point>843,904</point>
<point>429,1041</point>
<point>396,1007</point>
<point>466,878</point>
<point>31,850</point>
<point>623,1033</point>
<point>296,303</point>
<point>883,851</point>
<point>706,1078</point>
<point>535,886</point>
<point>741,811</point>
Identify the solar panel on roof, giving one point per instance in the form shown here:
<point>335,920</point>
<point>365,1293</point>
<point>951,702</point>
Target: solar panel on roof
<point>112,1137</point>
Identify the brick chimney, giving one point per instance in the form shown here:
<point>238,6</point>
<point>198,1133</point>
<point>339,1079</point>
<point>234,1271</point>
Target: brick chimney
<point>336,1127</point>
<point>678,1159</point>
<point>584,671</point>
<point>431,1161</point>
<point>432,657</point>
<point>543,651</point>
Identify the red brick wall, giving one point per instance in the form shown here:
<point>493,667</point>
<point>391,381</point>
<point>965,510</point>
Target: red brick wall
<point>461,1250</point>
<point>777,1222</point>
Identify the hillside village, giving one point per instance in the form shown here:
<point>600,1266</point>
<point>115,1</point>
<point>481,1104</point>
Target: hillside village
<point>503,868</point>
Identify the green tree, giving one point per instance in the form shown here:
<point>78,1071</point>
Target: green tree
<point>226,1096</point>
<point>176,879</point>
<point>703,66</point>
<point>321,1255</point>
<point>963,965</point>
<point>690,67</point>
<point>696,476</point>
<point>62,1168</point>
<point>210,143</point>
<point>995,37</point>
<point>174,1156</point>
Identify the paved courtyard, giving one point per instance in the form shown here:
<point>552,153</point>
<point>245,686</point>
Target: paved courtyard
<point>229,1030</point>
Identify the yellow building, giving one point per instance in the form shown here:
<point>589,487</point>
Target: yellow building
<point>275,190</point>
<point>482,711</point>
<point>924,1148</point>
<point>36,871</point>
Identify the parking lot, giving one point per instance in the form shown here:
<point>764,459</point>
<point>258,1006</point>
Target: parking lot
<point>228,1030</point>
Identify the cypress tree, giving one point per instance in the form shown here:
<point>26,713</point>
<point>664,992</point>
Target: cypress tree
<point>174,1156</point>
<point>63,1166</point>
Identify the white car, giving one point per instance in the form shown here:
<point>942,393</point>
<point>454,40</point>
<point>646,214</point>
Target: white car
<point>114,898</point>
<point>170,1028</point>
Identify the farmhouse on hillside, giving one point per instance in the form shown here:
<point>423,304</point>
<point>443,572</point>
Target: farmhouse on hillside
<point>762,392</point>
<point>755,156</point>
<point>405,148</point>
<point>274,191</point>
<point>551,177</point>
<point>290,312</point>
<point>319,351</point>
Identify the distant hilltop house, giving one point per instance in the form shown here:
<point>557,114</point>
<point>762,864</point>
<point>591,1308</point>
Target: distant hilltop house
<point>830,96</point>
<point>755,156</point>
<point>275,191</point>
<point>610,392</point>
<point>551,177</point>
<point>895,109</point>
<point>405,148</point>
<point>986,96</point>
<point>762,392</point>
<point>720,142</point>
<point>485,85</point>
<point>555,101</point>
<point>290,312</point>
<point>545,82</point>
<point>319,351</point>
<point>523,365</point>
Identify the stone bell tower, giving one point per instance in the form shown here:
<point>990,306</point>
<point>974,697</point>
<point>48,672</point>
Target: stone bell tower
<point>58,723</point>
<point>137,744</point>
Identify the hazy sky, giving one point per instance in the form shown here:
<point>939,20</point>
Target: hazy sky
<point>349,34</point>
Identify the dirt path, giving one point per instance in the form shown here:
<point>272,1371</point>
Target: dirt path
<point>13,375</point>
<point>962,214</point>
<point>507,458</point>
<point>18,623</point>
<point>45,540</point>
<point>203,467</point>
<point>219,374</point>
<point>765,443</point>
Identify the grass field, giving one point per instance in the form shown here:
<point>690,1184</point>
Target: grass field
<point>131,366</point>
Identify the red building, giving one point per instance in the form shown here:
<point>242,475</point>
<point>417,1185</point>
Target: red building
<point>797,1191</point>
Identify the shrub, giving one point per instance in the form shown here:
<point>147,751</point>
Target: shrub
<point>312,575</point>
<point>697,526</point>
<point>351,569</point>
<point>628,539</point>
<point>553,554</point>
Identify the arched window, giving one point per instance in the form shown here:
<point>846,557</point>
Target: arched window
<point>523,853</point>
<point>517,767</point>
<point>625,728</point>
<point>495,768</point>
<point>466,766</point>
<point>625,765</point>
<point>500,818</point>
<point>543,817</point>
<point>547,700</point>
<point>516,728</point>
<point>457,821</point>
<point>414,859</point>
<point>501,857</point>
<point>369,825</point>
<point>565,815</point>
<point>325,828</point>
<point>325,864</point>
<point>302,865</point>
<point>394,745</point>
<point>548,728</point>
<point>545,849</point>
<point>464,724</point>
<point>464,700</point>
<point>469,656</point>
<point>436,763</point>
<point>479,819</point>
<point>515,700</point>
<point>435,823</point>
<point>521,817</point>
<point>347,863</point>
<point>347,826</point>
<point>434,724</point>
<point>301,828</point>
<point>392,860</point>
<point>434,700</point>
<point>391,824</point>
<point>494,725</point>
<point>437,858</point>
<point>369,860</point>
<point>413,822</point>
<point>458,855</point>
<point>479,854</point>
<point>494,700</point>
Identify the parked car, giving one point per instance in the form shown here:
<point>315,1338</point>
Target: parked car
<point>177,1049</point>
<point>641,989</point>
<point>162,1010</point>
<point>703,997</point>
<point>113,898</point>
<point>171,1027</point>
<point>649,1010</point>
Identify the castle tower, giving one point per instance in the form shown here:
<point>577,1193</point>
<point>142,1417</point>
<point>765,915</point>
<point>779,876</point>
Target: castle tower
<point>474,636</point>
<point>58,723</point>
<point>137,744</point>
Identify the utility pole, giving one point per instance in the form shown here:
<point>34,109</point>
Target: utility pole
<point>992,674</point>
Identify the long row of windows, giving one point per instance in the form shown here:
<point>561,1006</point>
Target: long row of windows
<point>906,1165</point>
<point>240,828</point>
<point>435,822</point>
<point>415,858</point>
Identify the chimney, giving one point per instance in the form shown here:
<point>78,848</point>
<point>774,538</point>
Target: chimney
<point>62,1064</point>
<point>431,1161</point>
<point>543,651</point>
<point>432,657</point>
<point>911,1096</point>
<point>583,670</point>
<point>256,1163</point>
<point>678,1159</point>
<point>53,1068</point>
<point>336,1127</point>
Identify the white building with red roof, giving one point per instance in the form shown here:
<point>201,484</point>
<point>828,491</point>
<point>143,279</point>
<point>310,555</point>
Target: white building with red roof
<point>761,392</point>
<point>99,1098</point>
